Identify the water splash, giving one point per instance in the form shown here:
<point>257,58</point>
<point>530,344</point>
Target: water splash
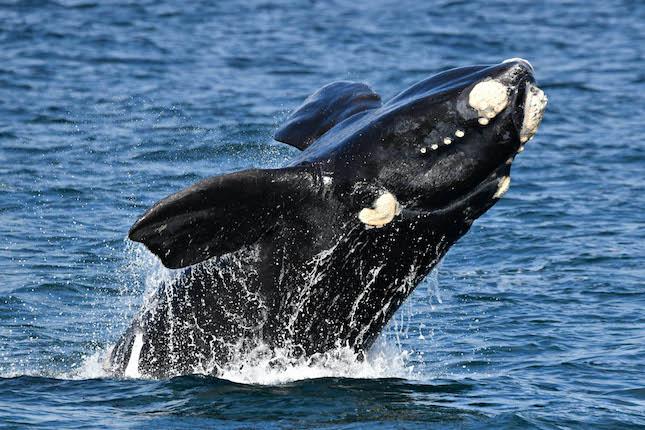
<point>92,366</point>
<point>268,366</point>
<point>265,365</point>
<point>277,366</point>
<point>140,278</point>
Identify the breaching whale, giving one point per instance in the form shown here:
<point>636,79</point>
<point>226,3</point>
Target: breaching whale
<point>322,252</point>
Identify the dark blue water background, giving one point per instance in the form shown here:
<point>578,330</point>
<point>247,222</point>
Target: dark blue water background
<point>534,320</point>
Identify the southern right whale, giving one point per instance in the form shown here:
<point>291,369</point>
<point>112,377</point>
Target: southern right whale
<point>322,252</point>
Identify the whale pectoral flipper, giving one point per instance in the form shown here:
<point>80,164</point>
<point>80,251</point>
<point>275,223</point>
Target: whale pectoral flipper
<point>221,214</point>
<point>324,109</point>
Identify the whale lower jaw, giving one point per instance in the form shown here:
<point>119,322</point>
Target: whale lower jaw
<point>534,105</point>
<point>484,195</point>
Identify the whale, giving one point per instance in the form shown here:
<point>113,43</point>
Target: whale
<point>320,253</point>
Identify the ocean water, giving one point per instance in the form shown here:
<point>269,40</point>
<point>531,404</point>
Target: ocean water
<point>535,319</point>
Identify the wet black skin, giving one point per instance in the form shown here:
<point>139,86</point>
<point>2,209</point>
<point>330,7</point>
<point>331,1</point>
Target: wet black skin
<point>280,258</point>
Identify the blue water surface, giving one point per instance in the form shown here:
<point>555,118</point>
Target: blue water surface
<point>535,318</point>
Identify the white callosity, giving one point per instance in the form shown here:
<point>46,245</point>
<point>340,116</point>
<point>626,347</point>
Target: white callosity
<point>502,187</point>
<point>489,97</point>
<point>534,105</point>
<point>386,207</point>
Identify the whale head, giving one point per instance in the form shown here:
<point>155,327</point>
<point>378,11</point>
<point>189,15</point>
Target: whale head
<point>455,135</point>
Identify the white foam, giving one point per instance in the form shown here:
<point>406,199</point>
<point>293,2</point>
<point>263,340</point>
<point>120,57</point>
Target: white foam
<point>92,367</point>
<point>269,367</point>
<point>265,366</point>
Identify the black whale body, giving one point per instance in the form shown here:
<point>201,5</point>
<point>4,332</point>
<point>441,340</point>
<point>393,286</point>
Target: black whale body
<point>322,252</point>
